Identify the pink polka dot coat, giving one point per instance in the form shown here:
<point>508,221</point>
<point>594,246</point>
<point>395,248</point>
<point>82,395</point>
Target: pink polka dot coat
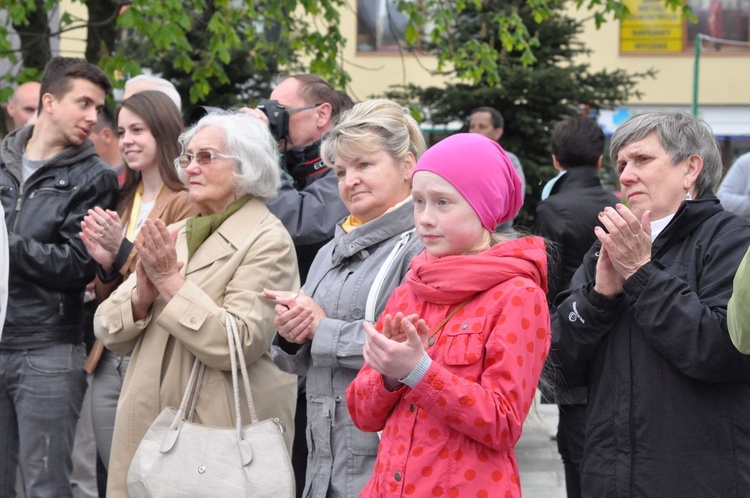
<point>453,434</point>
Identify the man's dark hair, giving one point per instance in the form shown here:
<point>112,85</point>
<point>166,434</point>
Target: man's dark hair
<point>314,89</point>
<point>497,118</point>
<point>344,103</point>
<point>60,71</point>
<point>577,142</point>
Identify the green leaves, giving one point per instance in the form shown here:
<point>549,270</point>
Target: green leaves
<point>308,28</point>
<point>535,74</point>
<point>201,40</point>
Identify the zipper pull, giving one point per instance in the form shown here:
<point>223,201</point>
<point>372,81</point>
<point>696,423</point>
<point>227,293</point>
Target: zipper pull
<point>20,198</point>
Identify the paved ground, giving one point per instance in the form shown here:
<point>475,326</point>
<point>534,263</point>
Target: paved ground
<point>542,474</point>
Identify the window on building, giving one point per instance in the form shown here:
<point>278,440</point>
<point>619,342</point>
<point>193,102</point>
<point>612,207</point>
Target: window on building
<point>380,26</point>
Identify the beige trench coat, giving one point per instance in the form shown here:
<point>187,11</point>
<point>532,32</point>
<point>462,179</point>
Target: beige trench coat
<point>249,251</point>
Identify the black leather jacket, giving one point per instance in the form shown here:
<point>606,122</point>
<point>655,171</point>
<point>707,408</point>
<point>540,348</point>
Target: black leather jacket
<point>49,265</point>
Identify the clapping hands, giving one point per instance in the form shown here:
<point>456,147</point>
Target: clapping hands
<point>297,315</point>
<point>626,246</point>
<point>397,350</point>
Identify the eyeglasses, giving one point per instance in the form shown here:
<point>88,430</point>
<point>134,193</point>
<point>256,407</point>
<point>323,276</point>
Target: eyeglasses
<point>202,157</point>
<point>297,109</point>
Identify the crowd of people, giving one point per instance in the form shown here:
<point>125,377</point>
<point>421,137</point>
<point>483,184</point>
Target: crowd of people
<point>393,321</point>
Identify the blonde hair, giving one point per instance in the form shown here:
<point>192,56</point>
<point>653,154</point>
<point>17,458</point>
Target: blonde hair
<point>372,126</point>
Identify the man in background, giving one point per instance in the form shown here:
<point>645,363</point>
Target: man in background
<point>567,219</point>
<point>146,82</point>
<point>490,123</point>
<point>23,105</point>
<point>308,204</point>
<point>106,142</point>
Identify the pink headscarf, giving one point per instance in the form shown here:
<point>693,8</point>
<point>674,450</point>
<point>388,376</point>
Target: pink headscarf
<point>481,171</point>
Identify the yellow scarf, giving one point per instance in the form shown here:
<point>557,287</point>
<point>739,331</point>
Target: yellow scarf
<point>350,223</point>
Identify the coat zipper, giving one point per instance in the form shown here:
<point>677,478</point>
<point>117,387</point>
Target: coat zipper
<point>19,202</point>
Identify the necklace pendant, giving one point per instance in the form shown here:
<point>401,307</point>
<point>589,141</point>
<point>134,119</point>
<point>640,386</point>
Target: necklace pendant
<point>430,341</point>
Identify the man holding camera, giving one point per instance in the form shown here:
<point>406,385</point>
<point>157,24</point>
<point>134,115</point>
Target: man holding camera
<point>300,111</point>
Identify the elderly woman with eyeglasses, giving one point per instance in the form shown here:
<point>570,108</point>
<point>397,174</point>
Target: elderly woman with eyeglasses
<point>190,276</point>
<point>148,125</point>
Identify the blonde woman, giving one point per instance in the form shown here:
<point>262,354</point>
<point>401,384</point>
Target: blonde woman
<point>372,150</point>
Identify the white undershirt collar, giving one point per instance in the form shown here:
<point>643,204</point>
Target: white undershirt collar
<point>658,226</point>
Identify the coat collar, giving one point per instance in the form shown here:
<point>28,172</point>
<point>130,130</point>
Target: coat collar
<point>226,239</point>
<point>577,177</point>
<point>373,232</point>
<point>12,150</point>
<point>690,216</point>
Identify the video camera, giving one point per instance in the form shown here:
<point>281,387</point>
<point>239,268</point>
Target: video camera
<point>278,118</point>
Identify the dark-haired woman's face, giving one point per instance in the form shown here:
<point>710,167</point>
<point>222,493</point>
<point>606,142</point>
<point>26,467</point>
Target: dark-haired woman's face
<point>137,144</point>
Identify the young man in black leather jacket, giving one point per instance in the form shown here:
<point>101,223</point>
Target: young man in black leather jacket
<point>50,176</point>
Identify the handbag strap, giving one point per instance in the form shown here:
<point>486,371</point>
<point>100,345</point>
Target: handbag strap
<point>235,351</point>
<point>445,320</point>
<point>189,389</point>
<point>235,356</point>
<point>198,384</point>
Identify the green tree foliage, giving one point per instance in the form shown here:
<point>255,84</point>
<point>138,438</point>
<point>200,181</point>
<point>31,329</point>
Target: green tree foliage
<point>246,77</point>
<point>496,28</point>
<point>531,95</point>
<point>169,28</point>
<point>305,30</point>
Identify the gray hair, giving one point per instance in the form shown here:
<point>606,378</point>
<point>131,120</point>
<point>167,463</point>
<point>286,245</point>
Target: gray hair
<point>159,84</point>
<point>682,135</point>
<point>250,141</point>
<point>371,126</point>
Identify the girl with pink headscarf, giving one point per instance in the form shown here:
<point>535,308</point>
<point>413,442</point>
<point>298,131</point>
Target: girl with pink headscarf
<point>453,363</point>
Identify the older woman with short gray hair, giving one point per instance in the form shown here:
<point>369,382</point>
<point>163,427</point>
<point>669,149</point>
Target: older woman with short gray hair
<point>254,151</point>
<point>193,274</point>
<point>643,326</point>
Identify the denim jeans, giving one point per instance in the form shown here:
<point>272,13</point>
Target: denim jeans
<point>41,392</point>
<point>105,391</point>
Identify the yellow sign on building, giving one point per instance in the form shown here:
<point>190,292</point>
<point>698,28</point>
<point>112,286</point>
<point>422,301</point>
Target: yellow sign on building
<point>651,28</point>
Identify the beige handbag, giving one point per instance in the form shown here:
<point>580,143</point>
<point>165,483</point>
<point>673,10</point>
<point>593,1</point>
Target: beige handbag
<point>179,458</point>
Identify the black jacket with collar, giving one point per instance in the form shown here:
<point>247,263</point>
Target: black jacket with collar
<point>567,219</point>
<point>49,265</point>
<point>669,395</point>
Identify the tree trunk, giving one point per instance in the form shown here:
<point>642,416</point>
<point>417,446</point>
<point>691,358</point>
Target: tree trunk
<point>102,28</point>
<point>35,38</point>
